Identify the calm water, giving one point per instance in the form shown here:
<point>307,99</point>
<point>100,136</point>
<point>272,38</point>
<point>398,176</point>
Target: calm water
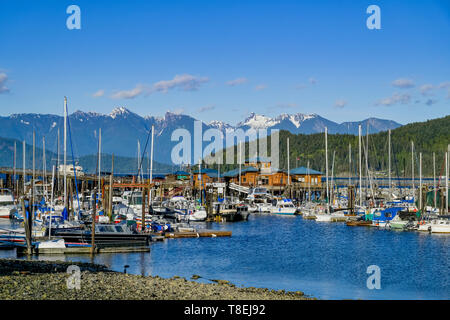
<point>325,260</point>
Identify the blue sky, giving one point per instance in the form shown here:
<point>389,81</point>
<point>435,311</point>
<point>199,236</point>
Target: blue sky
<point>220,60</point>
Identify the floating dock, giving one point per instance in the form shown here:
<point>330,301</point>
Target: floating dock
<point>361,223</point>
<point>82,250</point>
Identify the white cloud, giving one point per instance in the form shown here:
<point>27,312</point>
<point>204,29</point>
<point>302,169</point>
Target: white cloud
<point>260,87</point>
<point>3,79</point>
<point>444,85</point>
<point>426,89</point>
<point>207,108</point>
<point>236,82</point>
<point>99,93</point>
<point>340,103</point>
<point>403,83</point>
<point>394,99</point>
<point>186,82</point>
<point>129,94</point>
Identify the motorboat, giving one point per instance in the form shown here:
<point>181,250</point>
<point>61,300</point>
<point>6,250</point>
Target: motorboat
<point>228,211</point>
<point>436,225</point>
<point>106,235</point>
<point>260,205</point>
<point>285,207</point>
<point>8,208</point>
<point>186,210</point>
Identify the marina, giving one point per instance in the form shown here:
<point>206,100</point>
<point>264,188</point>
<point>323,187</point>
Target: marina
<point>256,225</point>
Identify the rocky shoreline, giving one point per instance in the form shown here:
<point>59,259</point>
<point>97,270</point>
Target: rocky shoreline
<point>47,280</point>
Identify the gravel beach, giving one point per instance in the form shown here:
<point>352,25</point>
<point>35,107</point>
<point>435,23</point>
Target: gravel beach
<point>47,280</point>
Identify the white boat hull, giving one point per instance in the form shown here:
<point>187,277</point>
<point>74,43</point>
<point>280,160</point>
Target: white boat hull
<point>288,211</point>
<point>439,226</point>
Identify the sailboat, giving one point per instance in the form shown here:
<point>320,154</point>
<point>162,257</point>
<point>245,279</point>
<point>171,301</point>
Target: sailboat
<point>440,224</point>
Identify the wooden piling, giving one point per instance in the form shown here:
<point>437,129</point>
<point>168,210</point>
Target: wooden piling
<point>351,199</point>
<point>28,221</point>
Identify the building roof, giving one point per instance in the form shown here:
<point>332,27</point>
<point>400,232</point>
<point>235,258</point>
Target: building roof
<point>158,176</point>
<point>304,171</point>
<point>181,173</point>
<point>209,172</point>
<point>235,172</point>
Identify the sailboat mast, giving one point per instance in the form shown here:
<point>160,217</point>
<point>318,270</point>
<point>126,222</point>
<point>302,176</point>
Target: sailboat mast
<point>138,161</point>
<point>65,153</point>
<point>309,183</point>
<point>51,203</point>
<point>367,158</point>
<point>57,161</point>
<point>151,155</point>
<point>240,162</point>
<point>360,167</point>
<point>349,163</point>
<point>151,163</point>
<point>34,172</point>
<point>420,181</point>
<point>14,169</point>
<point>412,169</point>
<point>44,178</point>
<point>326,164</point>
<point>201,181</point>
<point>289,183</point>
<point>332,178</point>
<point>434,178</point>
<point>446,183</point>
<point>24,166</point>
<point>389,146</point>
<point>99,158</point>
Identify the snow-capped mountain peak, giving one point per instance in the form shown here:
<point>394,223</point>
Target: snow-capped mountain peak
<point>220,125</point>
<point>119,111</point>
<point>256,121</point>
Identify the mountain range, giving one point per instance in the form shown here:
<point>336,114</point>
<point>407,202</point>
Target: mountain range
<point>121,129</point>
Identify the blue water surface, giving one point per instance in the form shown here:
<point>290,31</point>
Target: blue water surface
<point>324,260</point>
